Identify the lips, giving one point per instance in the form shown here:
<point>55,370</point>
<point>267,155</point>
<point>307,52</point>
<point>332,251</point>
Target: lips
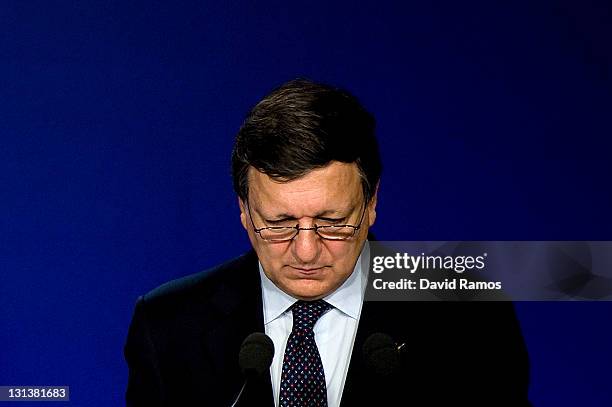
<point>308,270</point>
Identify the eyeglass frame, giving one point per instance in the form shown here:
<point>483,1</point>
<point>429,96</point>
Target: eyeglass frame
<point>298,228</point>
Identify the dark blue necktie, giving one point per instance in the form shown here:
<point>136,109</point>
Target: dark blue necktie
<point>303,379</point>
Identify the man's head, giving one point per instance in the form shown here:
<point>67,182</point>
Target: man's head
<point>307,156</point>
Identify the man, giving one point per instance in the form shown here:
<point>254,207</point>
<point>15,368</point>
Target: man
<point>306,169</point>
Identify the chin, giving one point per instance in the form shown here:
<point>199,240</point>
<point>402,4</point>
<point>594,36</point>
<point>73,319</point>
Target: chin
<point>311,290</point>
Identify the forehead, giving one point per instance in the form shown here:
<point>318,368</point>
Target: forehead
<point>336,187</point>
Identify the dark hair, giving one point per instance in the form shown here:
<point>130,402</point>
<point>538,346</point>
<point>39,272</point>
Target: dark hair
<point>302,126</point>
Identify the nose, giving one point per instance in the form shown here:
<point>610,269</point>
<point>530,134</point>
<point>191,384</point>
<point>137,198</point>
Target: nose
<point>306,246</point>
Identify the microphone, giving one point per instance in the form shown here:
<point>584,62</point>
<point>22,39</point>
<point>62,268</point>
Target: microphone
<point>255,358</point>
<point>381,354</point>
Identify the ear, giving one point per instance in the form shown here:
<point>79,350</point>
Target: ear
<point>243,213</point>
<point>372,206</point>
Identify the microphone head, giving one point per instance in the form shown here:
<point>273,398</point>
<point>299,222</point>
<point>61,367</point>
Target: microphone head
<point>381,354</point>
<point>256,353</point>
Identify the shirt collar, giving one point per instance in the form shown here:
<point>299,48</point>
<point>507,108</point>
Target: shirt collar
<point>347,298</point>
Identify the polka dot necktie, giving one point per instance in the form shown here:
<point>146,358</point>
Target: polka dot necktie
<point>303,379</point>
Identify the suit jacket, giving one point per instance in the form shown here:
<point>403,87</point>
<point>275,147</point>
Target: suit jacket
<point>184,338</point>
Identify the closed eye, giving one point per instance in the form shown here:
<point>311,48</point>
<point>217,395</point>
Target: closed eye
<point>290,222</point>
<point>281,222</point>
<point>332,220</point>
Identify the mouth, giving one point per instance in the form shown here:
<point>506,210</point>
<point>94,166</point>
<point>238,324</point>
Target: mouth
<point>308,271</point>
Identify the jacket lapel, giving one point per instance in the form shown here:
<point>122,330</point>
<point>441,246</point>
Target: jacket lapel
<point>239,305</point>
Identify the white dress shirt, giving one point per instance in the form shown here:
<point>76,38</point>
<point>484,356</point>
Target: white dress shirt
<point>334,331</point>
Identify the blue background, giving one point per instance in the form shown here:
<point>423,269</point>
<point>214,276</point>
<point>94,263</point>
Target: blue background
<point>117,121</point>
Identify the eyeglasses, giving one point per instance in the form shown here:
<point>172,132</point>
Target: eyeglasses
<point>287,233</point>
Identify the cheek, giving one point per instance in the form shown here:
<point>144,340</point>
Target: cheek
<point>272,255</point>
<point>342,255</point>
<point>337,250</point>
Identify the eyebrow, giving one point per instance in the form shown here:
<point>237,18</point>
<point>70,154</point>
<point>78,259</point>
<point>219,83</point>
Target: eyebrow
<point>322,214</point>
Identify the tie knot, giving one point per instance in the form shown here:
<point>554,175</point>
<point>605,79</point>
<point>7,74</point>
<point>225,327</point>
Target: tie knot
<point>306,313</point>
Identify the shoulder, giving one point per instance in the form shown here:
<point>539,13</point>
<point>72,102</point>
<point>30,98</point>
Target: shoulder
<point>214,287</point>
